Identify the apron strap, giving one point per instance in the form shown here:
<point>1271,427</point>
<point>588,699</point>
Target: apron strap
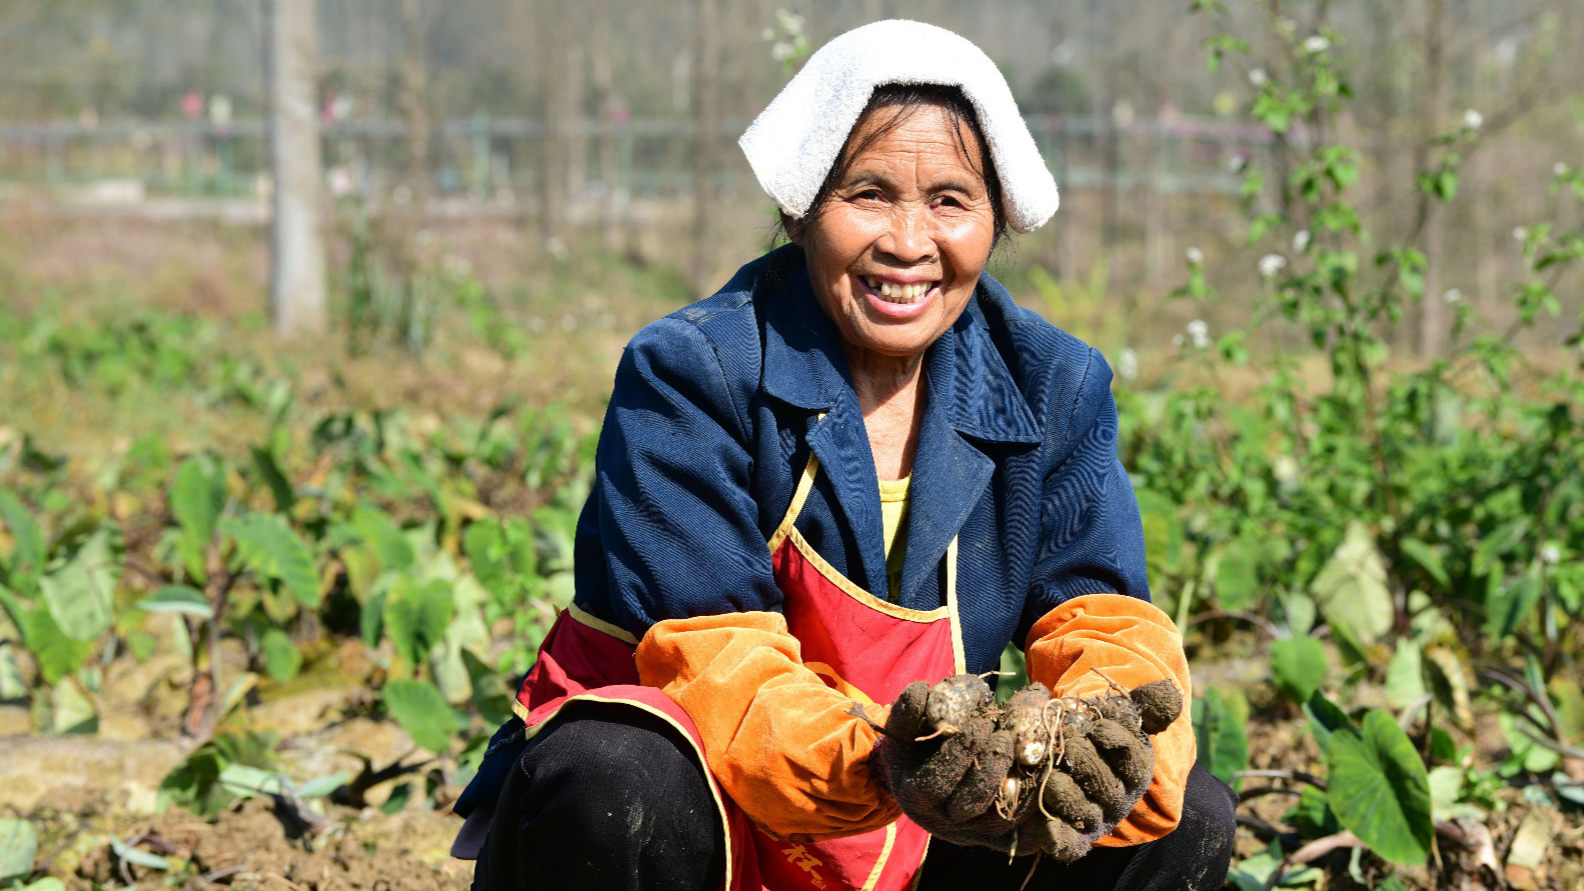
<point>804,487</point>
<point>958,654</point>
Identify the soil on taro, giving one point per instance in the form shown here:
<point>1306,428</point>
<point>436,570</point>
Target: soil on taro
<point>80,792</point>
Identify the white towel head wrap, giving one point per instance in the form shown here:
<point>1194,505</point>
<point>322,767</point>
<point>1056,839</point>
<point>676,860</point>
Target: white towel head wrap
<point>796,139</point>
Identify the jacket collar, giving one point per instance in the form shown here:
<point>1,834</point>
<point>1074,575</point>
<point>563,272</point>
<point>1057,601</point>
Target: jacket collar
<point>970,394</point>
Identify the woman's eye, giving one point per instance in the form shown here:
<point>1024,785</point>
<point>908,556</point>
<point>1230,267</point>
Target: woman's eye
<point>868,195</point>
<point>947,201</point>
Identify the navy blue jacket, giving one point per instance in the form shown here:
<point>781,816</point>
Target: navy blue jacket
<point>715,410</point>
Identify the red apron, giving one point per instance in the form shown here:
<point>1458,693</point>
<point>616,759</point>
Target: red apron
<point>859,644</point>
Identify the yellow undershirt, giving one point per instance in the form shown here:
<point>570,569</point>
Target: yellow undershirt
<point>893,516</point>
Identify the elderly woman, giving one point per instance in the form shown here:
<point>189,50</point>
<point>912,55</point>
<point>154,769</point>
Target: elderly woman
<point>857,466</point>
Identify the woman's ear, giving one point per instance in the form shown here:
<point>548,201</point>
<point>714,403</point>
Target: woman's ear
<point>794,228</point>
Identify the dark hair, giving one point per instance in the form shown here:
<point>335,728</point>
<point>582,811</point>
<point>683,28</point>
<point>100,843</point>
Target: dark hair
<point>903,100</point>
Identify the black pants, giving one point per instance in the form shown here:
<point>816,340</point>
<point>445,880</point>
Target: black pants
<point>608,797</point>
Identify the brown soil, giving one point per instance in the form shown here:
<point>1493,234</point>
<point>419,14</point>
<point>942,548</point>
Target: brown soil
<point>249,847</point>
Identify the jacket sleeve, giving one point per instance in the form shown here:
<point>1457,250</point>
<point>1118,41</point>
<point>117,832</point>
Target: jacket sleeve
<point>783,745</point>
<point>670,549</point>
<point>670,529</point>
<point>1091,538</point>
<point>1088,604</point>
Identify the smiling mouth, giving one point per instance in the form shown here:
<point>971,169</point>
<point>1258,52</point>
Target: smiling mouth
<point>903,293</point>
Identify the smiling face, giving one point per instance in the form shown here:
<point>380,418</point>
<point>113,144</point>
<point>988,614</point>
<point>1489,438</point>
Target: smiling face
<point>896,249</point>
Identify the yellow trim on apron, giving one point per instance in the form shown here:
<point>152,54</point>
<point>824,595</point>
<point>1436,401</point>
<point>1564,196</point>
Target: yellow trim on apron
<point>885,855</point>
<point>786,530</point>
<point>599,624</point>
<point>530,732</point>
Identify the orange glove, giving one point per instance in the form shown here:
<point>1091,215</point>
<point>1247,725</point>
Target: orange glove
<point>1135,643</point>
<point>783,745</point>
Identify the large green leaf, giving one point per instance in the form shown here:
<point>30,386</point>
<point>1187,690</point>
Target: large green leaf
<point>178,599</point>
<point>275,478</point>
<point>27,552</point>
<point>1313,815</point>
<point>421,711</point>
<point>1298,666</point>
<point>1509,605</point>
<point>1378,788</point>
<point>1428,559</point>
<point>1405,675</point>
<point>416,615</point>
<point>391,547</point>
<point>282,659</point>
<point>1326,719</point>
<point>18,846</point>
<point>1223,746</point>
<point>489,696</point>
<point>1237,573</point>
<point>272,549</point>
<point>1350,589</point>
<point>80,590</point>
<point>198,496</point>
<point>56,654</point>
<point>71,711</point>
<point>1163,535</point>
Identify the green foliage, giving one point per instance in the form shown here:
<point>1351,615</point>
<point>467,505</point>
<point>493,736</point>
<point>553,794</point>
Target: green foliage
<point>1298,666</point>
<point>421,711</point>
<point>18,846</point>
<point>1218,721</point>
<point>269,547</point>
<point>195,784</point>
<point>1379,789</point>
<point>79,588</point>
<point>416,615</point>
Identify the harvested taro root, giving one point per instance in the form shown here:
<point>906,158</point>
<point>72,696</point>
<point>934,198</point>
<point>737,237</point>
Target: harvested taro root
<point>1035,773</point>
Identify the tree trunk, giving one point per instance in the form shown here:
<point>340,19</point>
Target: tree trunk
<point>297,253</point>
<point>706,111</point>
<point>552,147</point>
<point>604,86</point>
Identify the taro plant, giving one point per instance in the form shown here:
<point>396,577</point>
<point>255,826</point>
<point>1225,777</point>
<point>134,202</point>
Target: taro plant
<point>1424,516</point>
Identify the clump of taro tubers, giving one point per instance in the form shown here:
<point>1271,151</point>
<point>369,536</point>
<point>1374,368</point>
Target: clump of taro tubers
<point>1036,772</point>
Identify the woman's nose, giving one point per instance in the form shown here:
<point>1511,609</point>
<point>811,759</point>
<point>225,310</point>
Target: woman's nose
<point>908,239</point>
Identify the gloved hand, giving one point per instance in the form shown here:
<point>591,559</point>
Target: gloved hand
<point>945,759</point>
<point>1101,764</point>
<point>1033,774</point>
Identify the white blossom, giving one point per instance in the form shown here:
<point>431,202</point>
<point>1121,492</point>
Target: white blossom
<point>1285,470</point>
<point>1178,341</point>
<point>1195,256</point>
<point>339,179</point>
<point>1301,240</point>
<point>1270,264</point>
<point>1560,169</point>
<point>1520,234</point>
<point>1316,44</point>
<point>1473,120</point>
<point>1258,77</point>
<point>769,35</point>
<point>781,51</point>
<point>1236,163</point>
<point>1199,332</point>
<point>1452,296</point>
<point>1551,554</point>
<point>1128,365</point>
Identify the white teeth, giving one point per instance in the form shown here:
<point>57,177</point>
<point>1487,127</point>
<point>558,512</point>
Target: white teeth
<point>899,292</point>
